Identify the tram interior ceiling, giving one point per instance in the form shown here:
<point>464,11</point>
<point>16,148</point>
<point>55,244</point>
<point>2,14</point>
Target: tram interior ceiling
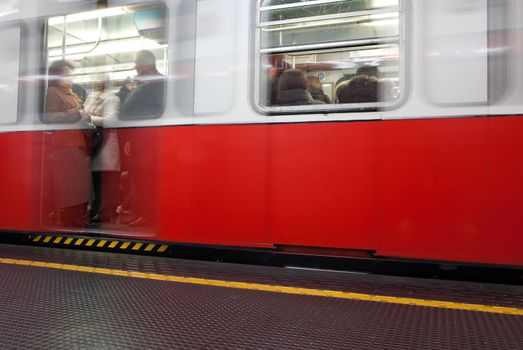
<point>104,41</point>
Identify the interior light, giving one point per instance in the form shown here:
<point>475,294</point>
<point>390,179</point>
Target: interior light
<point>122,46</point>
<point>384,15</point>
<point>384,3</point>
<point>84,16</point>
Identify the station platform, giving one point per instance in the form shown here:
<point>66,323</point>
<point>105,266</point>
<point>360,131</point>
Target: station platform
<point>62,299</point>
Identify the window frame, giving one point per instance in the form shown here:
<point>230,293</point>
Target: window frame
<point>329,108</point>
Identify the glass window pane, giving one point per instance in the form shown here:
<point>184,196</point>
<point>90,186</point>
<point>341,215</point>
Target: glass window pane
<point>326,71</point>
<point>331,30</point>
<point>313,8</point>
<point>104,43</point>
<point>333,53</point>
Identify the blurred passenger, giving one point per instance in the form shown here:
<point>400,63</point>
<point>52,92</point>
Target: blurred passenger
<point>365,89</point>
<point>103,106</point>
<point>273,91</point>
<point>316,90</point>
<point>127,199</point>
<point>292,90</point>
<point>370,71</point>
<point>360,89</point>
<point>69,154</point>
<point>147,99</point>
<point>126,88</point>
<point>345,77</point>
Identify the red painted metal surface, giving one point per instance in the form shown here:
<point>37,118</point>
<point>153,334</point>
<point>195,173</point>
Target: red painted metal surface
<point>434,189</point>
<point>323,184</point>
<point>504,241</point>
<point>440,189</point>
<point>228,204</point>
<point>21,159</point>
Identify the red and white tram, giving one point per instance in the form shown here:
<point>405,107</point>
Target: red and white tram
<point>433,172</point>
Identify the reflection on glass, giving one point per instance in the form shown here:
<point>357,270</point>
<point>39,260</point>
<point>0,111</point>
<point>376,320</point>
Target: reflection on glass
<point>322,73</point>
<point>331,30</point>
<point>285,10</point>
<point>328,52</point>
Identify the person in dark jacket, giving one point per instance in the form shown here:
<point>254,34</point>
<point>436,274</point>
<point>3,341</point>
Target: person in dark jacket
<point>292,90</point>
<point>144,102</point>
<point>124,91</point>
<point>147,100</point>
<point>365,89</point>
<point>316,90</point>
<point>360,89</point>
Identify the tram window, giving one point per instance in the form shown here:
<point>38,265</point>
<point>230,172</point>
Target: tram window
<point>328,55</point>
<point>126,47</point>
<point>9,73</point>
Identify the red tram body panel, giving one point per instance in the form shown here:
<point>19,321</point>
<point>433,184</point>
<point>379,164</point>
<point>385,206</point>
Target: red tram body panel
<point>441,189</point>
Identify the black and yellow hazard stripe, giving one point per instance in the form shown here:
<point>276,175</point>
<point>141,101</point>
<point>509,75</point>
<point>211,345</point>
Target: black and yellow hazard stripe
<point>98,243</point>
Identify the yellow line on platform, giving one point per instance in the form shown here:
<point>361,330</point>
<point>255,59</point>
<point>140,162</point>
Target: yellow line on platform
<point>274,288</point>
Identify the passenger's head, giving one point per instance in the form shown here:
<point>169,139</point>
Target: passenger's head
<point>59,73</point>
<point>360,89</point>
<point>313,82</point>
<point>101,82</point>
<point>292,79</point>
<point>144,60</point>
<point>345,77</point>
<point>370,71</point>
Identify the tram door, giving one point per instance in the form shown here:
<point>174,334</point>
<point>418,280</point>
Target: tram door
<point>106,68</point>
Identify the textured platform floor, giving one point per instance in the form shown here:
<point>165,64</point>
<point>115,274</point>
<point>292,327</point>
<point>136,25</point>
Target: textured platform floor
<point>44,308</point>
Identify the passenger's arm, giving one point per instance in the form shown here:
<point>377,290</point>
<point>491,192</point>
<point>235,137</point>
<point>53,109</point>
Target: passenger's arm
<point>131,108</point>
<point>97,121</point>
<point>69,116</point>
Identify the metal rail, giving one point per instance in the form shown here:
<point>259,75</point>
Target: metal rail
<point>336,44</point>
<point>328,17</point>
<point>300,4</point>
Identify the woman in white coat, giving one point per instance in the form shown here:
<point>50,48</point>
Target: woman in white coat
<point>103,106</point>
